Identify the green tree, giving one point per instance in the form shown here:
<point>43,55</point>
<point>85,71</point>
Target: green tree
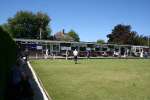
<point>6,28</point>
<point>74,35</point>
<point>120,34</point>
<point>67,38</point>
<point>132,37</point>
<point>100,41</point>
<point>29,25</point>
<point>42,21</point>
<point>136,39</point>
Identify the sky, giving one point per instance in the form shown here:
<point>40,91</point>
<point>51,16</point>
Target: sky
<point>91,19</point>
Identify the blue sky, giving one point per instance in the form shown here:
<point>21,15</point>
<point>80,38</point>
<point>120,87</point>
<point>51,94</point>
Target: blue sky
<point>91,19</point>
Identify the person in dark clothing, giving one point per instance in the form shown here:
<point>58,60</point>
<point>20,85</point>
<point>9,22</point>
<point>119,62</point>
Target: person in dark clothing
<point>16,74</point>
<point>25,88</point>
<point>21,88</point>
<point>88,54</point>
<point>26,53</point>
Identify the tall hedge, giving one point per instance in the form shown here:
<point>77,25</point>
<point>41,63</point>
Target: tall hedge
<point>7,60</point>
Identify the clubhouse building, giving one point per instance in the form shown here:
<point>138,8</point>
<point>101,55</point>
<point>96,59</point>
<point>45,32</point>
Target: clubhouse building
<point>40,48</point>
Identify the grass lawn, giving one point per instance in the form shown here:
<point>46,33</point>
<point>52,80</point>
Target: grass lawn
<point>101,79</point>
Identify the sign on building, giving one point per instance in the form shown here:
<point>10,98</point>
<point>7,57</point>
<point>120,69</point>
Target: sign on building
<point>39,47</point>
<point>65,48</point>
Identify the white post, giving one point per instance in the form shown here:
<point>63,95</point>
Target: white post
<point>119,51</point>
<point>141,53</point>
<point>40,33</point>
<point>54,56</point>
<point>46,52</point>
<point>66,54</point>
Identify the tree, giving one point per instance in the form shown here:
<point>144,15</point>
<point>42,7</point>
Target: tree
<point>74,35</point>
<point>132,37</point>
<point>42,21</point>
<point>7,60</point>
<point>6,28</point>
<point>29,25</point>
<point>100,41</point>
<point>120,34</point>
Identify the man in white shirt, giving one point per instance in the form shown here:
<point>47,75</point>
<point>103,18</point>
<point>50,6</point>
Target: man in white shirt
<point>46,54</point>
<point>75,54</point>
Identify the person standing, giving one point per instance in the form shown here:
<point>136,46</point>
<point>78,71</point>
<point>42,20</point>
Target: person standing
<point>88,54</point>
<point>67,54</point>
<point>46,54</point>
<point>75,54</point>
<point>26,54</point>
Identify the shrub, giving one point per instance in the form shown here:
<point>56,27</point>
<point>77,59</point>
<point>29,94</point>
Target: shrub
<point>7,59</point>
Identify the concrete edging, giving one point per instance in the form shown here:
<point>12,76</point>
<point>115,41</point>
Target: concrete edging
<point>39,83</point>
